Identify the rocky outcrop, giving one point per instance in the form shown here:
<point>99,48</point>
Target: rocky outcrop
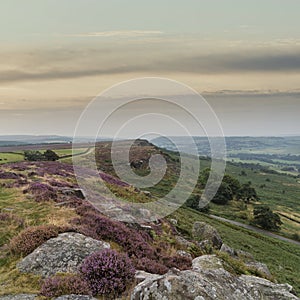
<point>205,232</point>
<point>208,280</point>
<point>62,254</point>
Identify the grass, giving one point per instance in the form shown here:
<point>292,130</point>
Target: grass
<point>10,157</point>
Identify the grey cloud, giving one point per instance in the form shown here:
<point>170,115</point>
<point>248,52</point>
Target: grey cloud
<point>145,62</point>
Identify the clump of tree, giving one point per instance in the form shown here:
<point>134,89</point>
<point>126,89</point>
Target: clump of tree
<point>265,218</point>
<point>194,202</point>
<point>33,155</point>
<point>229,189</point>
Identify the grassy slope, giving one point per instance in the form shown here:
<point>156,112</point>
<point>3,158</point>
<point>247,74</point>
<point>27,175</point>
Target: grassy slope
<point>10,157</point>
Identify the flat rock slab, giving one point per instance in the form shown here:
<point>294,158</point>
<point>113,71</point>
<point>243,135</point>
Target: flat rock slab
<point>63,254</point>
<point>18,297</point>
<point>75,297</point>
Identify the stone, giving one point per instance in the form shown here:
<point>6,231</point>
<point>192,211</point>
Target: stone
<point>75,297</point>
<point>208,280</point>
<point>207,262</point>
<point>226,249</point>
<point>182,241</point>
<point>63,254</point>
<point>260,267</point>
<point>183,253</point>
<point>19,297</point>
<point>203,231</point>
<point>142,275</point>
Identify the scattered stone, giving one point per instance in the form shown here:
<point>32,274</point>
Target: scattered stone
<point>63,254</point>
<point>203,231</point>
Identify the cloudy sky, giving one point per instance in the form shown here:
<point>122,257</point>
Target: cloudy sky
<point>242,56</point>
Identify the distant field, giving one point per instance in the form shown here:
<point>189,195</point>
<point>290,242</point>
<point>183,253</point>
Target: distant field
<point>10,157</point>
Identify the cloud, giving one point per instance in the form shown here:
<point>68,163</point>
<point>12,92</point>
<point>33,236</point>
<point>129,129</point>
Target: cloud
<point>118,33</point>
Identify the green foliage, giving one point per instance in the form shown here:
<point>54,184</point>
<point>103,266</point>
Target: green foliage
<point>193,202</point>
<point>33,155</point>
<point>247,193</point>
<point>265,218</point>
<point>224,194</point>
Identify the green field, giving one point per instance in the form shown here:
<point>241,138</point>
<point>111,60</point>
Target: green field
<point>10,157</point>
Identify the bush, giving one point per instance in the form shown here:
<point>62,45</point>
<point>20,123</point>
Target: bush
<point>150,266</point>
<point>59,285</point>
<point>32,237</point>
<point>41,192</point>
<point>107,272</point>
<point>133,242</point>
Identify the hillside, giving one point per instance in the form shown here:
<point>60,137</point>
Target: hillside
<point>41,200</point>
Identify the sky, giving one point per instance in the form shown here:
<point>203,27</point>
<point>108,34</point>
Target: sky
<point>243,56</point>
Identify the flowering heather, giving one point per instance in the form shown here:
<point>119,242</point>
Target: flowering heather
<point>8,175</point>
<point>60,285</point>
<point>113,180</point>
<point>32,237</point>
<point>150,266</point>
<point>133,242</point>
<point>107,272</point>
<point>177,261</point>
<point>41,191</point>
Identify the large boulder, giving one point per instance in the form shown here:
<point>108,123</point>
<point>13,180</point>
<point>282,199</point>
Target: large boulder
<point>207,281</point>
<point>205,232</point>
<point>63,254</point>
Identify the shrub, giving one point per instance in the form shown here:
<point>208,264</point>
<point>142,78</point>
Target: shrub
<point>59,285</point>
<point>177,261</point>
<point>107,272</point>
<point>32,237</point>
<point>150,266</point>
<point>41,191</point>
<point>133,242</point>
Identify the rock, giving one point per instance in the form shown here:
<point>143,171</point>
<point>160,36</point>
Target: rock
<point>183,253</point>
<point>62,254</point>
<point>207,262</point>
<point>142,275</point>
<point>207,281</point>
<point>228,250</point>
<point>19,297</point>
<point>174,222</point>
<point>182,241</point>
<point>203,231</point>
<point>262,268</point>
<point>75,297</point>
<point>259,288</point>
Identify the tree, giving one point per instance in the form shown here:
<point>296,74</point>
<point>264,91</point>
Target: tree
<point>51,155</point>
<point>247,193</point>
<point>233,183</point>
<point>193,202</point>
<point>265,218</point>
<point>223,195</point>
<point>33,155</point>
